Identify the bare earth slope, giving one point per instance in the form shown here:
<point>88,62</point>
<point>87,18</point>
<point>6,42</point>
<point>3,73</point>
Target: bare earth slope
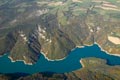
<point>54,28</point>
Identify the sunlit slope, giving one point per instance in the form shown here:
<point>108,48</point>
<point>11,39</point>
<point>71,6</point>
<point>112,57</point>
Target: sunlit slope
<point>55,27</point>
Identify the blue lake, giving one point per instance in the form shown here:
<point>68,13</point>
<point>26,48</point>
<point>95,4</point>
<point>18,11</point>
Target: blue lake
<point>70,63</point>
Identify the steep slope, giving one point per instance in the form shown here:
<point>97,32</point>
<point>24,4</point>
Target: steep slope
<point>54,28</point>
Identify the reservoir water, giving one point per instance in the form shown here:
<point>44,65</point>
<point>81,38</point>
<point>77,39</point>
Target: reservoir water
<point>70,63</point>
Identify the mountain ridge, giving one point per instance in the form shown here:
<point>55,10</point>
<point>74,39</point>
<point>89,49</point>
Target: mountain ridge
<point>56,27</point>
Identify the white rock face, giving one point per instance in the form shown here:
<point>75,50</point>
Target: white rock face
<point>42,34</point>
<point>23,36</point>
<point>56,3</point>
<point>40,12</point>
<point>13,21</point>
<point>91,30</point>
<point>77,0</point>
<point>114,40</point>
<point>98,28</point>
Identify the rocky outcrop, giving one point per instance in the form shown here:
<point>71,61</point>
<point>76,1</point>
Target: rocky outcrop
<point>32,28</point>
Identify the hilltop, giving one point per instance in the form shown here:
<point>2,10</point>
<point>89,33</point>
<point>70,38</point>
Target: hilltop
<point>55,27</point>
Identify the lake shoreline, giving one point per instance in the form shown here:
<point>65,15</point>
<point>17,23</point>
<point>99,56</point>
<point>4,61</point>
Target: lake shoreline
<point>66,56</point>
<point>82,63</point>
<point>118,55</point>
<point>74,61</point>
<point>13,61</point>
